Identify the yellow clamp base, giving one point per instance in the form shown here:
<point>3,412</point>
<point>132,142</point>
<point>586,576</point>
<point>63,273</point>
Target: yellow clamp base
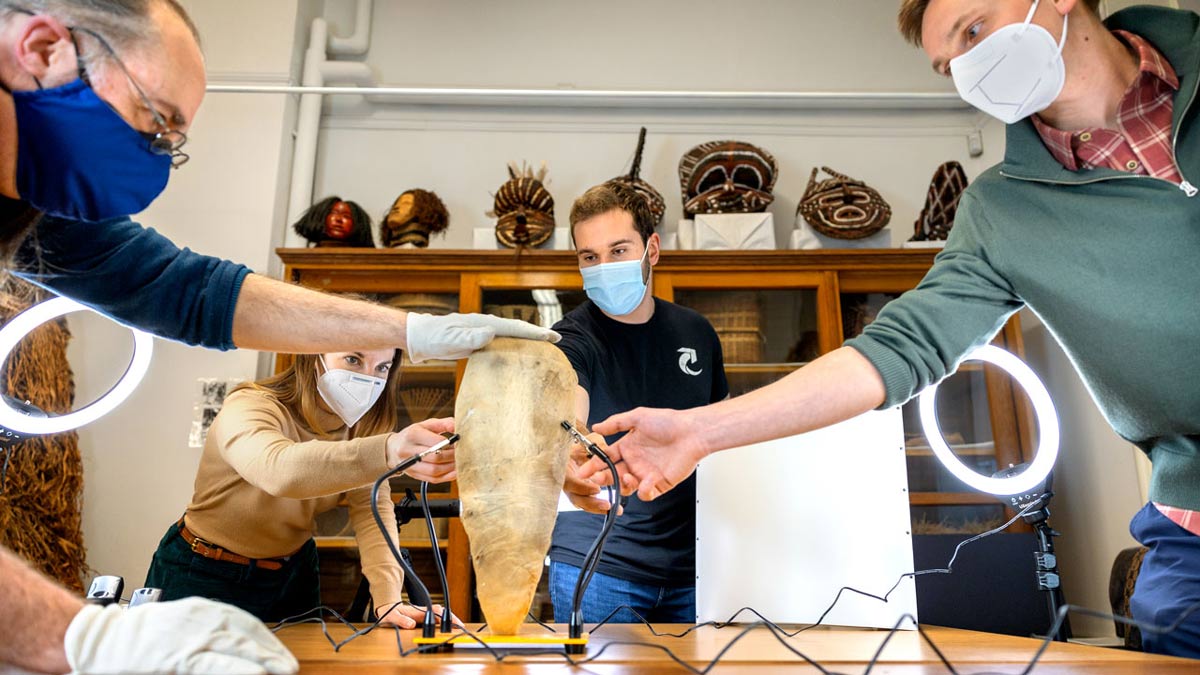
<point>503,641</point>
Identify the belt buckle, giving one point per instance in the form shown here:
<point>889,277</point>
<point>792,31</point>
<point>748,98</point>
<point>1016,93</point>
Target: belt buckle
<point>197,541</point>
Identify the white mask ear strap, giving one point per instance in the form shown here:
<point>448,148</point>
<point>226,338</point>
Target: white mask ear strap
<point>1029,16</point>
<point>1029,21</point>
<point>1063,43</point>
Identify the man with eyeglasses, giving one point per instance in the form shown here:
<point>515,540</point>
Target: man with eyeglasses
<point>98,98</point>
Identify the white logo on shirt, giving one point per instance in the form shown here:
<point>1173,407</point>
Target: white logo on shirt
<point>687,356</point>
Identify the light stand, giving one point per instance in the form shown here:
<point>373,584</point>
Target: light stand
<point>1026,487</point>
<point>1036,506</point>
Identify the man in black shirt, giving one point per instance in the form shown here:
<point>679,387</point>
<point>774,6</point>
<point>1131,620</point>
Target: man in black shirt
<point>630,349</point>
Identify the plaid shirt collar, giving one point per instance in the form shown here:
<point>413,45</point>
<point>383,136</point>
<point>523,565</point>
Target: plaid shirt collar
<point>1152,66</point>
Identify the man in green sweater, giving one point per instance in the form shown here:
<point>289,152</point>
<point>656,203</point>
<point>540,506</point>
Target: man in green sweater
<point>1090,221</point>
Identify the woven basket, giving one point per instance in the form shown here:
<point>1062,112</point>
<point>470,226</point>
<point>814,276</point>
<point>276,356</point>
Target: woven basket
<point>741,310</point>
<point>425,303</point>
<point>519,312</point>
<point>742,346</point>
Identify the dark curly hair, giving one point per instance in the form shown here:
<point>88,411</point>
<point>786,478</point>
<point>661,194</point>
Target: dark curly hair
<point>311,225</point>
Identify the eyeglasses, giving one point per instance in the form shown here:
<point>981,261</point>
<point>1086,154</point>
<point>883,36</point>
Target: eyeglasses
<point>165,141</point>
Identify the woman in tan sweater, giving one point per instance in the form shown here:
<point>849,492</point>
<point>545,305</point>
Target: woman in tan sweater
<point>282,450</point>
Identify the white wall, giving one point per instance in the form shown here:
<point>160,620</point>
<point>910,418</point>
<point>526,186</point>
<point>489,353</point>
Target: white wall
<point>372,153</point>
<point>138,469</point>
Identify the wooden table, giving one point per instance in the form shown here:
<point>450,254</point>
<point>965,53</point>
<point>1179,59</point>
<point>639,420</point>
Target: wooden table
<point>838,650</point>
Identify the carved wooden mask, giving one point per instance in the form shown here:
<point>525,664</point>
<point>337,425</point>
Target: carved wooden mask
<point>524,209</point>
<point>842,207</point>
<point>414,216</point>
<point>727,177</point>
<point>941,203</point>
<point>654,199</point>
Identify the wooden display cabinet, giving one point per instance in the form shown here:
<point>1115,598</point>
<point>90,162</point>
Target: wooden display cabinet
<point>774,311</point>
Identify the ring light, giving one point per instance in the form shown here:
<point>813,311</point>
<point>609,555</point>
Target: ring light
<point>1047,419</point>
<point>29,320</point>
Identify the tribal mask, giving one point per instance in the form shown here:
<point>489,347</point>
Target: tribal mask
<point>414,216</point>
<point>941,203</point>
<point>524,209</point>
<point>727,177</point>
<point>335,222</point>
<point>842,207</point>
<point>658,206</point>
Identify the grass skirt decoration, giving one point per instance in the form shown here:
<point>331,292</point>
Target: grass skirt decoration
<point>41,496</point>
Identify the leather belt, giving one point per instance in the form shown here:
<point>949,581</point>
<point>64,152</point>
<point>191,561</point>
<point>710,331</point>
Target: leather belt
<point>207,549</point>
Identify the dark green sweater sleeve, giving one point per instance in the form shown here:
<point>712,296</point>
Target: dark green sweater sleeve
<point>920,337</point>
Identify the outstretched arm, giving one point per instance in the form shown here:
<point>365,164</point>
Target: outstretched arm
<point>274,316</point>
<point>663,447</point>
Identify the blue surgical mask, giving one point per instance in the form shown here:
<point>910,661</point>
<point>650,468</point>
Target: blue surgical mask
<point>618,287</point>
<point>77,158</point>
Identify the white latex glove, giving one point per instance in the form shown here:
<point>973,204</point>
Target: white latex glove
<point>455,336</point>
<point>193,635</point>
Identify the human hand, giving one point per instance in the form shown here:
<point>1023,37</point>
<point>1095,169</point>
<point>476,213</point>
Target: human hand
<point>193,635</point>
<point>581,492</point>
<point>404,615</point>
<point>455,336</point>
<point>661,449</point>
<point>438,467</point>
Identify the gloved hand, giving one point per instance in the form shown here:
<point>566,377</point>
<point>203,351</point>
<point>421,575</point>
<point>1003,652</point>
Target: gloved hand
<point>183,636</point>
<point>455,336</point>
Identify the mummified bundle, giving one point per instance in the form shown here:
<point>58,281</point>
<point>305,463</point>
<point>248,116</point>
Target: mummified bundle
<point>523,208</point>
<point>40,505</point>
<point>511,459</point>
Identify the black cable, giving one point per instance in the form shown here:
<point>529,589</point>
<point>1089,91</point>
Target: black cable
<point>776,631</point>
<point>429,626</point>
<point>592,560</point>
<point>539,622</point>
<point>4,469</point>
<point>447,621</point>
<point>356,632</point>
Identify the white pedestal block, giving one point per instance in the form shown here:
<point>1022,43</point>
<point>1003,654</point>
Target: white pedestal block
<point>728,232</point>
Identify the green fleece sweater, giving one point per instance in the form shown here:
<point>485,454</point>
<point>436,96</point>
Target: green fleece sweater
<point>1109,261</point>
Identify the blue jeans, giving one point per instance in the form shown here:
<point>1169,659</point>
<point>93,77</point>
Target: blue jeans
<point>1168,583</point>
<point>656,604</point>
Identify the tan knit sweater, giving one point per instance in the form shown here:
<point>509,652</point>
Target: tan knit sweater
<point>263,477</point>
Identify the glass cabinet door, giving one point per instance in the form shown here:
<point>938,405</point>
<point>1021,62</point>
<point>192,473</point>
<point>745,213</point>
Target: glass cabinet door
<point>540,306</point>
<point>982,419</point>
<point>764,333</point>
<point>768,325</point>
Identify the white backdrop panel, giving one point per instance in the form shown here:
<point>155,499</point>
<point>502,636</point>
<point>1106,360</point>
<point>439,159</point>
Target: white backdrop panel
<point>781,526</point>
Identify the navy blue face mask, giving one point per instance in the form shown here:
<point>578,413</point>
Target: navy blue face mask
<point>77,158</point>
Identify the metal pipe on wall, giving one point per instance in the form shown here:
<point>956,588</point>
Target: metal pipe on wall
<point>318,71</point>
